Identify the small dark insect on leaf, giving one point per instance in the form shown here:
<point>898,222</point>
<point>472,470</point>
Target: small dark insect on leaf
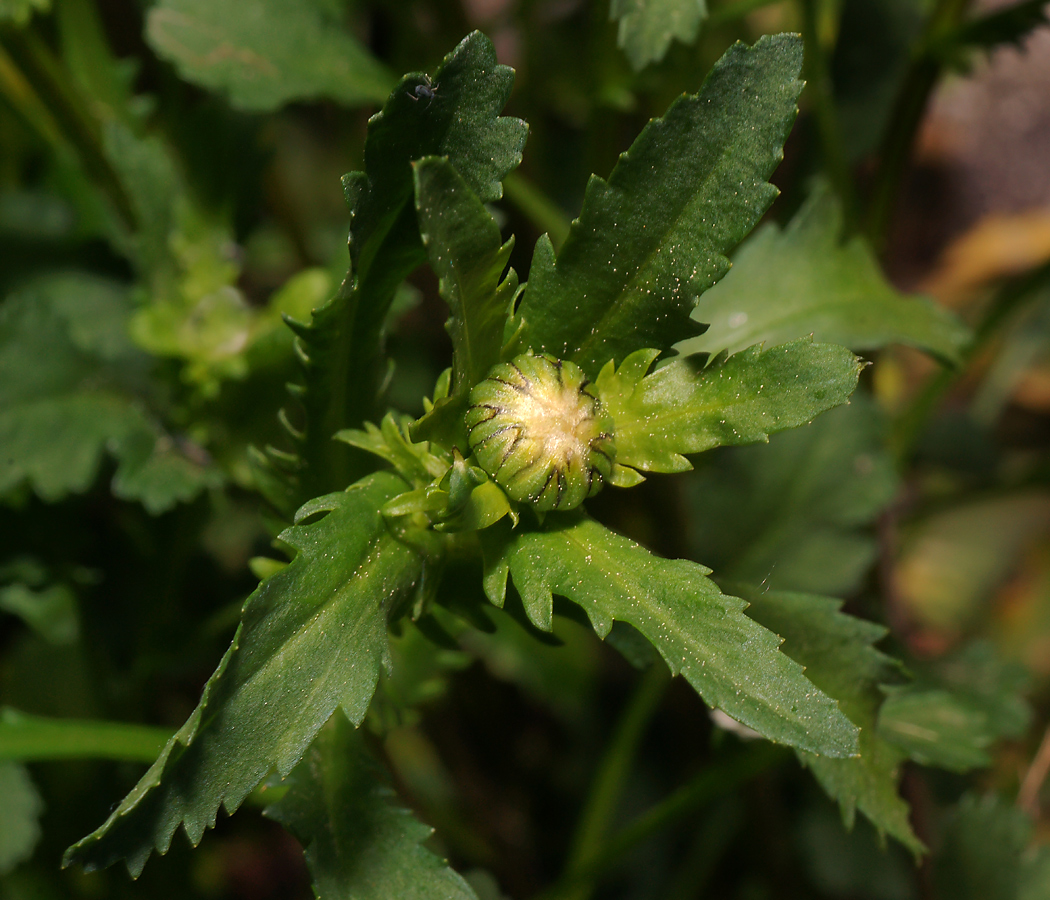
<point>427,90</point>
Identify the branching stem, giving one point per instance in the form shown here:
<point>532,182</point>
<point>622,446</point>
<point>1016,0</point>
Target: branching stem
<point>609,782</point>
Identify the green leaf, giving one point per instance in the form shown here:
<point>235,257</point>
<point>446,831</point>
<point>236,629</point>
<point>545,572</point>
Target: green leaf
<point>796,514</point>
<point>958,706</point>
<point>654,237</point>
<point>647,27</point>
<point>342,347</point>
<point>840,658</point>
<point>805,280</point>
<point>468,255</point>
<point>312,638</point>
<point>936,728</point>
<point>19,11</point>
<point>27,737</point>
<point>51,611</point>
<point>981,857</point>
<point>685,407</point>
<point>732,661</point>
<point>265,53</point>
<point>20,823</point>
<point>58,420</point>
<point>359,843</point>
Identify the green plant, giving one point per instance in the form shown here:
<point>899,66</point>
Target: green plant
<point>412,542</point>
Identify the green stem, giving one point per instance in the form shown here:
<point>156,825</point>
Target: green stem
<point>537,207</point>
<point>717,780</point>
<point>51,88</point>
<point>818,80</point>
<point>1010,297</point>
<point>610,780</point>
<point>737,10</point>
<point>914,94</point>
<point>30,738</point>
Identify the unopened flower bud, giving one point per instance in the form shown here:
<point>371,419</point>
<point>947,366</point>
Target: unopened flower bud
<point>540,433</point>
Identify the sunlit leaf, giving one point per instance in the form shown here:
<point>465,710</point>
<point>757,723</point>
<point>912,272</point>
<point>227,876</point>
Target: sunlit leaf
<point>804,280</point>
<point>313,637</point>
<point>687,407</point>
<point>840,658</point>
<point>651,239</point>
<point>702,633</point>
<point>468,255</point>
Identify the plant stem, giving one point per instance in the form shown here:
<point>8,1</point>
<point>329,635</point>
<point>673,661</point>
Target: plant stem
<point>28,738</point>
<point>717,780</point>
<point>537,207</point>
<point>732,11</point>
<point>51,89</point>
<point>610,780</point>
<point>895,151</point>
<point>818,78</point>
<point>1009,298</point>
<point>1028,795</point>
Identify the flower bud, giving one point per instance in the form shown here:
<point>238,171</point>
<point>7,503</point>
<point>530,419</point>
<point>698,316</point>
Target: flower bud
<point>540,433</point>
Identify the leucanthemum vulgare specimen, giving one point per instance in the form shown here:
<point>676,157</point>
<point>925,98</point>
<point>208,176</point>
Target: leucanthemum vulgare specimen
<point>557,388</point>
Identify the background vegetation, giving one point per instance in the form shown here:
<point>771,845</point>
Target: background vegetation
<point>170,187</point>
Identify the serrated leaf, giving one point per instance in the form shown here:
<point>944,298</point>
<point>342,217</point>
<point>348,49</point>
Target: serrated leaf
<point>647,27</point>
<point>360,844</point>
<point>688,407</point>
<point>20,823</point>
<point>806,280</point>
<point>981,857</point>
<point>265,53</point>
<point>958,706</point>
<point>840,658</point>
<point>342,347</point>
<point>468,255</point>
<point>796,514</point>
<point>653,237</point>
<point>312,638</point>
<point>732,661</point>
<point>58,421</point>
<point>935,728</point>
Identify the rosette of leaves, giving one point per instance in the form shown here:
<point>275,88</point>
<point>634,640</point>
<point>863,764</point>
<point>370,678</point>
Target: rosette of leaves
<point>583,343</point>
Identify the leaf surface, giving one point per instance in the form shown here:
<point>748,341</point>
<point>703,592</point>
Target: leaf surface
<point>796,514</point>
<point>58,421</point>
<point>313,637</point>
<point>958,706</point>
<point>265,53</point>
<point>468,255</point>
<point>732,661</point>
<point>687,407</point>
<point>342,345</point>
<point>840,658</point>
<point>653,237</point>
<point>20,823</point>
<point>359,842</point>
<point>647,27</point>
<point>805,280</point>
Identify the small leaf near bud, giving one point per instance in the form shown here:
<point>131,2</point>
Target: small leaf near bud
<point>535,426</point>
